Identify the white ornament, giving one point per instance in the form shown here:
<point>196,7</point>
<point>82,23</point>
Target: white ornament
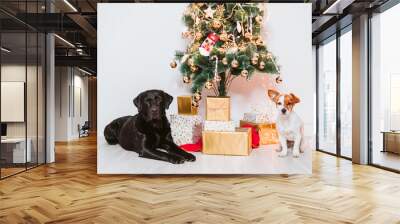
<point>209,12</point>
<point>238,27</point>
<point>251,24</point>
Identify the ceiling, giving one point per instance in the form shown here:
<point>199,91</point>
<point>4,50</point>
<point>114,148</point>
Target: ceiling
<point>75,22</point>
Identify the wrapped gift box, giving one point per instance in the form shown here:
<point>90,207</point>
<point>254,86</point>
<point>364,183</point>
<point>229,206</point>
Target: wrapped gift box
<point>185,106</point>
<point>219,126</point>
<point>218,108</point>
<point>237,143</point>
<point>267,131</point>
<point>256,117</point>
<point>186,129</point>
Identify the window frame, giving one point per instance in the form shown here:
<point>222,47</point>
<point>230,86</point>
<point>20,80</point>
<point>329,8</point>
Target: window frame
<point>334,37</point>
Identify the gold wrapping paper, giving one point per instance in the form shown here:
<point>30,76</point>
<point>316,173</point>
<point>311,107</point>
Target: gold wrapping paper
<point>268,133</point>
<point>218,108</point>
<point>185,106</point>
<point>237,143</point>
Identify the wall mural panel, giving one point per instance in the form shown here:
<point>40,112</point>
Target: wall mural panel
<point>205,88</point>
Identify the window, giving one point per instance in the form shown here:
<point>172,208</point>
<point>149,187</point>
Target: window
<point>346,93</point>
<point>334,106</point>
<point>22,101</point>
<point>327,97</point>
<point>385,89</point>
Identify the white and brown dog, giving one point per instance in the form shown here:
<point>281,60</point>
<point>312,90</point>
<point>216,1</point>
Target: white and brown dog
<point>289,124</point>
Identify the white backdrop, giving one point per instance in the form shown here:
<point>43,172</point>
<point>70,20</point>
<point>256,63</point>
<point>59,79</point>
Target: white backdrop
<point>136,43</point>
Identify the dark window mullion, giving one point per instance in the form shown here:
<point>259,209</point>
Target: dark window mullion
<point>338,98</point>
<point>37,90</point>
<point>317,95</point>
<point>26,87</point>
<point>369,81</point>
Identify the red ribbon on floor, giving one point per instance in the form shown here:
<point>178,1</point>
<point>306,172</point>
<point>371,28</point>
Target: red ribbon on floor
<point>255,136</point>
<point>197,147</point>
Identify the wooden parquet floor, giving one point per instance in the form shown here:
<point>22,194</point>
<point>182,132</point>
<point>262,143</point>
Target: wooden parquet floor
<point>70,191</point>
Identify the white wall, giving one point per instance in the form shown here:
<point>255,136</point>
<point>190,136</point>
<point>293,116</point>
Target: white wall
<point>61,103</point>
<point>67,84</point>
<point>134,55</point>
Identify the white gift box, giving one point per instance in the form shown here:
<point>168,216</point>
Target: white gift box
<point>256,117</point>
<point>186,129</point>
<point>219,125</point>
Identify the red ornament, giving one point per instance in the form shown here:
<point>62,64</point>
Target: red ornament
<point>208,44</point>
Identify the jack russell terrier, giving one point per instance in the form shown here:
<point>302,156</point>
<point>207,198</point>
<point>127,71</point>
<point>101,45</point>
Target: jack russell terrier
<point>289,125</point>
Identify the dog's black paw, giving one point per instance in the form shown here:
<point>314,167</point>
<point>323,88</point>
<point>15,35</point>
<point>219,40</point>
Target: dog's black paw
<point>176,160</point>
<point>190,157</point>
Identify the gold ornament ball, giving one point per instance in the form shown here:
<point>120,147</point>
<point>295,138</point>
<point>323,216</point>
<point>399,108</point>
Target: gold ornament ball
<point>223,37</point>
<point>208,85</point>
<point>269,56</point>
<point>278,80</point>
<point>248,35</point>
<point>195,104</point>
<point>256,56</point>
<point>186,79</point>
<point>262,65</point>
<point>193,68</point>
<point>198,36</point>
<point>259,41</point>
<point>242,48</point>
<point>254,61</point>
<point>197,96</point>
<point>216,24</point>
<point>217,78</point>
<point>263,55</point>
<point>173,64</point>
<point>259,19</point>
<point>244,73</point>
<point>234,63</point>
<point>225,61</point>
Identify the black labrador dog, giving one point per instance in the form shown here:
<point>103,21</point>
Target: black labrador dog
<point>148,131</point>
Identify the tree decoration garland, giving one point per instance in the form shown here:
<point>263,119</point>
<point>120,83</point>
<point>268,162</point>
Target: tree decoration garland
<point>226,43</point>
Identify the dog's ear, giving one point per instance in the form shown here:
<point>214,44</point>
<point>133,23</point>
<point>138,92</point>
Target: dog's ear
<point>167,99</point>
<point>138,102</point>
<point>273,94</point>
<point>294,99</point>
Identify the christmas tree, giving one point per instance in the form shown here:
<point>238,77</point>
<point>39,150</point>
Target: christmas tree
<point>225,43</point>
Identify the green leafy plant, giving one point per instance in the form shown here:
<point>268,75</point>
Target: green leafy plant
<point>239,51</point>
